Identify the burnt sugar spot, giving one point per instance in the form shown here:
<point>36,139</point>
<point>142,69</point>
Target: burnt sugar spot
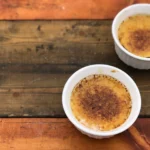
<point>140,39</point>
<point>103,103</point>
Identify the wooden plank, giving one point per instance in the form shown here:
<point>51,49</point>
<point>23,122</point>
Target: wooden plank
<point>37,58</point>
<point>20,104</point>
<point>60,134</point>
<point>66,9</point>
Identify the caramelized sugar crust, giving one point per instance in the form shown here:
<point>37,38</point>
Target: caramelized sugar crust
<point>101,102</point>
<point>134,35</point>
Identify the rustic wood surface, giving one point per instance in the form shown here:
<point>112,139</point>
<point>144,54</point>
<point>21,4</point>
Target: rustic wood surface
<point>62,9</point>
<point>37,57</point>
<point>60,134</point>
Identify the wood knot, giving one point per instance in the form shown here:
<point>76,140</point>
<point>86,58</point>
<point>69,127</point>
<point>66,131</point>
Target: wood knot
<point>16,94</point>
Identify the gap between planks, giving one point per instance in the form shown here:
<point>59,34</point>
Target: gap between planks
<point>31,90</point>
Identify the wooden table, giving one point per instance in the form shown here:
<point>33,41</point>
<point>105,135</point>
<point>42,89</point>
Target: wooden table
<point>36,59</point>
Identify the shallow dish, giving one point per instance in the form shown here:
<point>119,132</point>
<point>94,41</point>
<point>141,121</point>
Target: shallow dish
<point>115,73</point>
<point>127,57</point>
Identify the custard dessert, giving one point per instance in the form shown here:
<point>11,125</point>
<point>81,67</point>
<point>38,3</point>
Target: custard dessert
<point>134,35</point>
<point>100,102</point>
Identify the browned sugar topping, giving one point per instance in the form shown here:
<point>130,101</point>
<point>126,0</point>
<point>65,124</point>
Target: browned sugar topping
<point>103,103</point>
<point>140,39</point>
<point>100,102</point>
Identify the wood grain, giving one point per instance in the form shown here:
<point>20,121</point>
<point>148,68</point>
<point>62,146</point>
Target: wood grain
<point>141,140</point>
<point>60,134</point>
<point>62,9</point>
<point>37,58</point>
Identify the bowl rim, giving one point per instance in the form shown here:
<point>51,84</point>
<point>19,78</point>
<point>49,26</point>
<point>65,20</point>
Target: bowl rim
<point>115,36</point>
<point>86,129</point>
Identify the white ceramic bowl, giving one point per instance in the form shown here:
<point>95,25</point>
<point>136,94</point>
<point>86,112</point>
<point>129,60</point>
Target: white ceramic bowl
<point>107,70</point>
<point>127,57</point>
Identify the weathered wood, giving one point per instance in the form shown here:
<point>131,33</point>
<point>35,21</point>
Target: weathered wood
<point>37,58</point>
<point>139,138</point>
<point>60,134</point>
<point>66,9</point>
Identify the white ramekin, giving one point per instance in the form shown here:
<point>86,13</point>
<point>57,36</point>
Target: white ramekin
<point>107,70</point>
<point>127,57</point>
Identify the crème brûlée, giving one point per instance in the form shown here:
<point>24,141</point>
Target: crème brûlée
<point>101,102</point>
<point>134,34</point>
